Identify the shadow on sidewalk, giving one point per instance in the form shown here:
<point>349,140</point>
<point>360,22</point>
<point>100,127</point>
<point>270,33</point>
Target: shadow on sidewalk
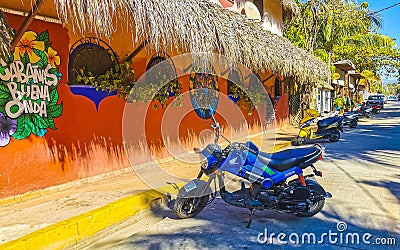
<point>221,226</point>
<point>393,187</point>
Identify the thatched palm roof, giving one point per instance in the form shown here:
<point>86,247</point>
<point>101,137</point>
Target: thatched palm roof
<point>195,26</point>
<point>290,6</point>
<point>5,37</point>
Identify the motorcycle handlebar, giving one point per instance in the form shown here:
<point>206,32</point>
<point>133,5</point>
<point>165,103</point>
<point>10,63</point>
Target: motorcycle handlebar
<point>217,130</point>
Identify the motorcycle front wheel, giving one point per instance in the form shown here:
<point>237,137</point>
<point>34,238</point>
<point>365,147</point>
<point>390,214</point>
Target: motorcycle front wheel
<point>334,136</point>
<point>315,207</point>
<point>189,207</point>
<point>353,124</point>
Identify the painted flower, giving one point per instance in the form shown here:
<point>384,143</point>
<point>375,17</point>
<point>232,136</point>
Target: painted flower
<point>26,45</point>
<point>7,128</point>
<point>52,57</point>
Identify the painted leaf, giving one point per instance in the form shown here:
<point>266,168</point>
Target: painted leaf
<point>55,110</point>
<point>39,121</point>
<point>53,97</point>
<point>50,122</point>
<point>2,71</point>
<point>53,71</point>
<point>43,58</point>
<point>24,127</point>
<point>25,59</point>
<point>44,36</point>
<point>4,92</point>
<point>3,103</point>
<point>39,131</point>
<point>47,46</point>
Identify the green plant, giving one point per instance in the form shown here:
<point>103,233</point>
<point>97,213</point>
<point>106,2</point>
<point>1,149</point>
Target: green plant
<point>249,100</point>
<point>153,92</point>
<point>121,78</point>
<point>339,102</point>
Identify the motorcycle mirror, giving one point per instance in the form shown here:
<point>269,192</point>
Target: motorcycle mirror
<point>197,150</point>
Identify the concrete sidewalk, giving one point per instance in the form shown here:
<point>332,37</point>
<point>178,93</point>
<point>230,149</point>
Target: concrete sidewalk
<point>63,215</point>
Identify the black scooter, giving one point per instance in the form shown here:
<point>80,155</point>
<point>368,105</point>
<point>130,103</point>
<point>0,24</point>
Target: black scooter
<point>350,119</point>
<point>328,128</point>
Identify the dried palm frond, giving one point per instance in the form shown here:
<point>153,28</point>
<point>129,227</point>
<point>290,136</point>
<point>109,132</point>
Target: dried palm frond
<point>194,26</point>
<point>6,37</point>
<point>290,7</point>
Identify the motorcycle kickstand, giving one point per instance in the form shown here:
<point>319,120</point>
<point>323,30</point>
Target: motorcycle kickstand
<point>251,217</point>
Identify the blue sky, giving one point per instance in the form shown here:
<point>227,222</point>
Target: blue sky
<point>391,19</point>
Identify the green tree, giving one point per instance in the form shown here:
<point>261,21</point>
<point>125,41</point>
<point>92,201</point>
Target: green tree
<point>372,81</point>
<point>340,29</point>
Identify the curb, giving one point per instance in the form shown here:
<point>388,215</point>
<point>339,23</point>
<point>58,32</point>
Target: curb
<point>8,201</point>
<point>73,230</point>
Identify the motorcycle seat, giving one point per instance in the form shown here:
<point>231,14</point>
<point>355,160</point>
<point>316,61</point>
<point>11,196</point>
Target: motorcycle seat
<point>351,113</point>
<point>328,121</point>
<point>289,158</point>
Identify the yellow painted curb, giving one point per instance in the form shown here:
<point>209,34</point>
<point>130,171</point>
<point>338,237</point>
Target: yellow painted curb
<point>65,233</point>
<point>20,198</point>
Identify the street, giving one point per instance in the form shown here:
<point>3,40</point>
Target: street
<point>362,171</point>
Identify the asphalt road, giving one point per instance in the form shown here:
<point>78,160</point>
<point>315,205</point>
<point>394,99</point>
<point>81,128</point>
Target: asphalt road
<point>362,171</point>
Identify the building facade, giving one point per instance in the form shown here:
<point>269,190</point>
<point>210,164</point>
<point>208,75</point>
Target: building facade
<point>57,128</point>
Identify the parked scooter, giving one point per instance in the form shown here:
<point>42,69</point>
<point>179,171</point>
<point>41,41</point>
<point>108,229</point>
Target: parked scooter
<point>267,174</point>
<point>376,109</point>
<point>328,128</point>
<point>350,118</point>
<point>364,110</point>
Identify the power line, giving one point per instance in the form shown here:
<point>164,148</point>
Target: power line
<point>394,5</point>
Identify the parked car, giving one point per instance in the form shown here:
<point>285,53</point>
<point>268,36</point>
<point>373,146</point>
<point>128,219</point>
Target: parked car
<point>375,100</point>
<point>392,98</point>
<point>383,97</point>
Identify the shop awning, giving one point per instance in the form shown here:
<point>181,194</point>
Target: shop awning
<point>356,75</point>
<point>345,65</point>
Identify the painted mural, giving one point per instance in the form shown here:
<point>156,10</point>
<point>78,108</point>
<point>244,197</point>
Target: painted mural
<point>28,89</point>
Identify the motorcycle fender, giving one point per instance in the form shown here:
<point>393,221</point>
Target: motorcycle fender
<point>303,133</point>
<point>195,188</point>
<point>313,185</point>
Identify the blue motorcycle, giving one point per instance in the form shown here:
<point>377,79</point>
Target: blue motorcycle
<point>266,174</point>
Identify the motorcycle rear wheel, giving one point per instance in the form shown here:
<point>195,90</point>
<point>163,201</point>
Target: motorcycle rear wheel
<point>315,207</point>
<point>353,124</point>
<point>334,136</point>
<point>300,140</point>
<point>189,207</point>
